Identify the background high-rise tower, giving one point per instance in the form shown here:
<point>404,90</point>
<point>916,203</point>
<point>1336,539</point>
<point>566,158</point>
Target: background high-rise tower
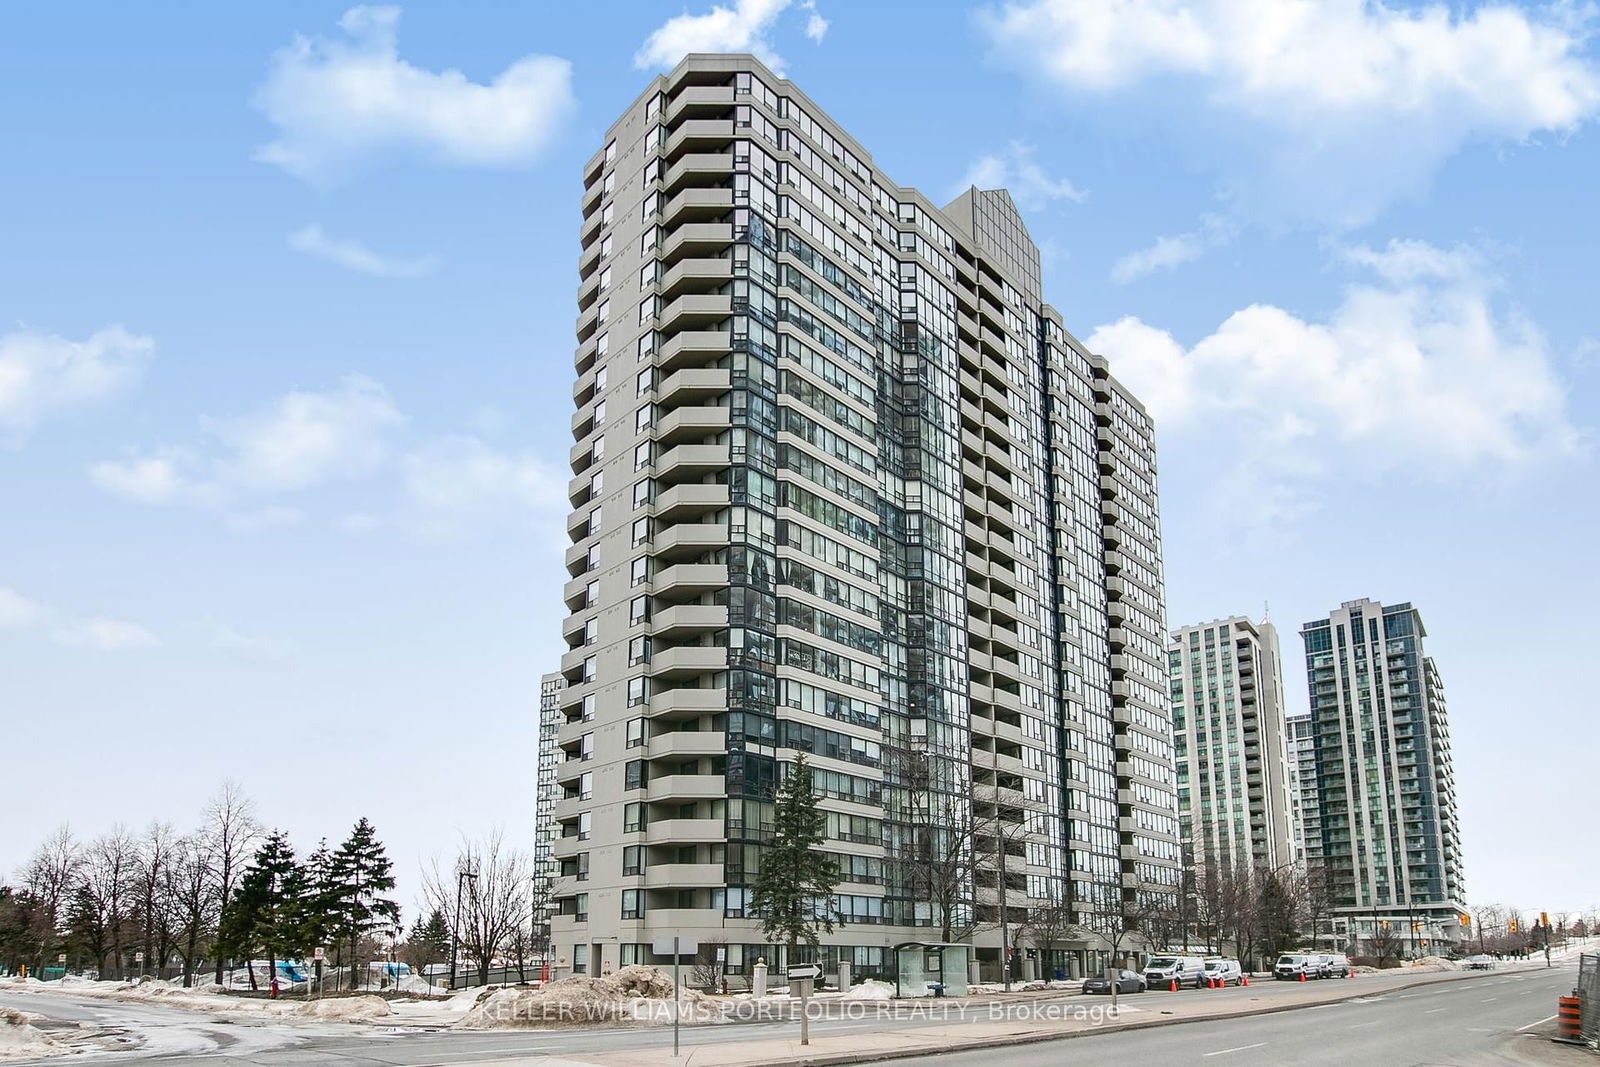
<point>844,485</point>
<point>1386,847</point>
<point>1235,807</point>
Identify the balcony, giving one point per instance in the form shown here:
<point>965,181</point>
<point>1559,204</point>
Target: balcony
<point>684,875</point>
<point>682,744</point>
<point>699,168</point>
<point>699,101</point>
<point>690,538</point>
<point>685,580</point>
<point>685,831</point>
<point>691,423</point>
<point>696,310</point>
<point>699,135</point>
<point>687,703</point>
<point>688,661</point>
<point>696,275</point>
<point>690,347</point>
<point>690,463</point>
<point>691,499</point>
<point>697,204</point>
<point>686,619</point>
<point>687,787</point>
<point>696,239</point>
<point>694,383</point>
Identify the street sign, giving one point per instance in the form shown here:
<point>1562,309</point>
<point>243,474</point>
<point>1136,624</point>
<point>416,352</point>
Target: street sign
<point>138,957</point>
<point>316,953</point>
<point>662,946</point>
<point>61,958</point>
<point>804,970</point>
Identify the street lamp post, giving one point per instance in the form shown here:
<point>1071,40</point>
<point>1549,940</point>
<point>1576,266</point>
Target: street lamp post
<point>455,928</point>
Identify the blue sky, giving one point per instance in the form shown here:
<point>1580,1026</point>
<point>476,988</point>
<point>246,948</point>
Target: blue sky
<point>286,305</point>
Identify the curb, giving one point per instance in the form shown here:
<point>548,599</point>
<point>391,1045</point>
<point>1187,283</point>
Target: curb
<point>836,1059</point>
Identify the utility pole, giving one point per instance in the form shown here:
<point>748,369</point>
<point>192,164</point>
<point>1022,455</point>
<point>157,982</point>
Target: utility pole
<point>455,928</point>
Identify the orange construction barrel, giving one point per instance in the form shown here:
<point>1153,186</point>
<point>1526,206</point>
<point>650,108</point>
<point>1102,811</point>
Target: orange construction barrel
<point>1569,1018</point>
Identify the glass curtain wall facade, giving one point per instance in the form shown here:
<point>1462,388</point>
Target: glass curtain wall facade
<point>843,486</point>
<point>1387,839</point>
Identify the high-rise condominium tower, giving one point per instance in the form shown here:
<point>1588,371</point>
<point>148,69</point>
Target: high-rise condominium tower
<point>1305,822</point>
<point>1234,800</point>
<point>1386,847</point>
<point>844,486</point>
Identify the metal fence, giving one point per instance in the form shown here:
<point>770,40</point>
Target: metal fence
<point>1589,996</point>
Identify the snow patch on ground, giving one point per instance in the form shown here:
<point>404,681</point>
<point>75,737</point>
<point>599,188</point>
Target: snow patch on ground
<point>344,1009</point>
<point>21,1040</point>
<point>1435,963</point>
<point>871,989</point>
<point>635,994</point>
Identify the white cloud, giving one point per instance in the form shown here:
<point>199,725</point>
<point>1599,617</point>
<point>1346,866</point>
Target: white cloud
<point>816,25</point>
<point>746,26</point>
<point>304,438</point>
<point>107,635</point>
<point>17,610</point>
<point>41,374</point>
<point>1171,252</point>
<point>1356,103</point>
<point>1016,170</point>
<point>1421,374</point>
<point>463,475</point>
<point>156,479</point>
<point>357,256</point>
<point>259,650</point>
<point>272,517</point>
<point>337,103</point>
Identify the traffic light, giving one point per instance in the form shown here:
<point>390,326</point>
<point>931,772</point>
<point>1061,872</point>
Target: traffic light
<point>1466,920</point>
<point>1513,926</point>
<point>1384,923</point>
<point>1544,919</point>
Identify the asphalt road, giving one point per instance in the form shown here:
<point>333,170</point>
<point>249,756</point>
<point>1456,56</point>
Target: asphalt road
<point>1464,1024</point>
<point>1448,1023</point>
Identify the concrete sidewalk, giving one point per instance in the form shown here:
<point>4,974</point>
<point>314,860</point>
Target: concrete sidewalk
<point>1017,1023</point>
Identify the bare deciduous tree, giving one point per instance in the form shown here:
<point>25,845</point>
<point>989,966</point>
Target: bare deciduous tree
<point>232,830</point>
<point>196,900</point>
<point>495,903</point>
<point>51,878</point>
<point>710,963</point>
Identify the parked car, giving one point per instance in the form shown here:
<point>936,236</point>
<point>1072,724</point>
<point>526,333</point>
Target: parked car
<point>1333,965</point>
<point>1294,966</point>
<point>1185,970</point>
<point>1127,982</point>
<point>1229,971</point>
<point>1478,963</point>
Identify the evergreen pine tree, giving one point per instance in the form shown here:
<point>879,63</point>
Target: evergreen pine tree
<point>361,872</point>
<point>429,941</point>
<point>317,916</point>
<point>793,893</point>
<point>263,914</point>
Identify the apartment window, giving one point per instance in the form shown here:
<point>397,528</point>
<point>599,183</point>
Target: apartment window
<point>600,413</point>
<point>594,522</point>
<point>588,668</point>
<point>635,733</point>
<point>638,610</point>
<point>591,559</point>
<point>581,908</point>
<point>586,747</point>
<point>606,214</point>
<point>633,774</point>
<point>603,317</point>
<point>580,959</point>
<point>633,859</point>
<point>598,450</point>
<point>645,381</point>
<point>585,825</point>
<point>647,344</point>
<point>649,274</point>
<point>638,651</point>
<point>641,531</point>
<point>633,903</point>
<point>605,246</point>
<point>591,594</point>
<point>649,308</point>
<point>611,153</point>
<point>650,240</point>
<point>649,206</point>
<point>605,279</point>
<point>644,418</point>
<point>633,818</point>
<point>639,571</point>
<point>588,709</point>
<point>591,631</point>
<point>597,483</point>
<point>586,785</point>
<point>608,184</point>
<point>638,692</point>
<point>643,492</point>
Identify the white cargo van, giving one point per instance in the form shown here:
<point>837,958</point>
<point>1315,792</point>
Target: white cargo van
<point>1161,971</point>
<point>1226,971</point>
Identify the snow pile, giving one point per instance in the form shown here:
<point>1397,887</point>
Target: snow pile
<point>635,994</point>
<point>412,984</point>
<point>1435,963</point>
<point>344,1009</point>
<point>871,989</point>
<point>21,1040</point>
<point>1362,968</point>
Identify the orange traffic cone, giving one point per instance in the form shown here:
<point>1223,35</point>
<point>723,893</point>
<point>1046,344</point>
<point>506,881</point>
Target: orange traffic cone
<point>1173,988</point>
<point>1244,979</point>
<point>1349,974</point>
<point>1302,976</point>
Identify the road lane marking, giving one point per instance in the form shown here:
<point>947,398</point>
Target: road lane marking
<point>1241,1048</point>
<point>1434,1011</point>
<point>1407,996</point>
<point>1538,1022</point>
<point>1487,1000</point>
<point>1358,1026</point>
